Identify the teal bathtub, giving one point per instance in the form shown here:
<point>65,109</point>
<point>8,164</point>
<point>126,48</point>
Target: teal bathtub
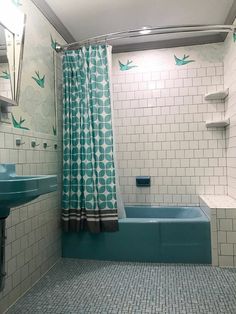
<point>148,234</point>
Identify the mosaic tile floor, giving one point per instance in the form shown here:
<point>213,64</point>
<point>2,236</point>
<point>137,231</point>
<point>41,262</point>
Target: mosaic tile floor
<point>96,287</point>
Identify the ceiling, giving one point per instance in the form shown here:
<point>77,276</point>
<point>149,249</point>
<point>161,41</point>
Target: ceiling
<point>84,19</point>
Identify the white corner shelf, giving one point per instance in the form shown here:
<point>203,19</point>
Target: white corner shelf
<point>7,102</point>
<point>218,123</point>
<point>218,95</point>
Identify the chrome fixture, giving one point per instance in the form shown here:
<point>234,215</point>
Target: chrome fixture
<point>33,144</point>
<point>45,145</point>
<point>19,142</point>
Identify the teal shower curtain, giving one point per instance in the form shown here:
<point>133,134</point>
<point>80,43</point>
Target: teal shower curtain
<point>89,185</point>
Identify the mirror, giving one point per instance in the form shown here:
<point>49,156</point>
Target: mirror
<point>7,79</point>
<point>12,22</point>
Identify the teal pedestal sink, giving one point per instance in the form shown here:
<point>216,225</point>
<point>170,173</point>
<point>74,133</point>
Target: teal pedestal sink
<point>19,190</point>
<point>16,191</point>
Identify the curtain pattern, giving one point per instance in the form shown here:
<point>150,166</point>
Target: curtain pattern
<point>89,187</point>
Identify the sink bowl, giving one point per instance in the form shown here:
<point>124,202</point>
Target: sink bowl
<point>19,190</point>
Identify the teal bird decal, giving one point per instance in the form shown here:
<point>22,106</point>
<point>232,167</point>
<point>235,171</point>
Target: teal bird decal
<point>234,37</point>
<point>17,3</point>
<point>53,43</point>
<point>182,61</point>
<point>39,80</point>
<point>5,75</point>
<point>18,125</point>
<point>127,66</point>
<point>54,130</point>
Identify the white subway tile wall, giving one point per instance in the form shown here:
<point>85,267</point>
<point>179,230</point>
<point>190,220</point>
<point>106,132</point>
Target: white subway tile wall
<point>159,117</point>
<point>230,82</point>
<point>33,243</point>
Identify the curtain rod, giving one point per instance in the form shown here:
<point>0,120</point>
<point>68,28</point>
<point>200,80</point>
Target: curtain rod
<point>151,31</point>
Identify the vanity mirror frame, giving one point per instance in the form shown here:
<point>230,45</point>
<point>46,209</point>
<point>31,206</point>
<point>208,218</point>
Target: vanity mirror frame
<point>17,88</point>
<point>4,100</point>
<point>16,80</point>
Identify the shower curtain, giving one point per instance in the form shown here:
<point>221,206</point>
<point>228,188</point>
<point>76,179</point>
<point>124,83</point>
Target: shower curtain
<point>89,178</point>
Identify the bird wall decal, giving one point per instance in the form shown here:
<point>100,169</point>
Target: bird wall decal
<point>234,37</point>
<point>17,3</point>
<point>182,61</point>
<point>5,75</point>
<point>39,80</point>
<point>53,43</point>
<point>127,66</point>
<point>17,124</point>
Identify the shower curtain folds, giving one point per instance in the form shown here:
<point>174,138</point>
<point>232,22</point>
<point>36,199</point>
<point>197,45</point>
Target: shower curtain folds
<point>89,185</point>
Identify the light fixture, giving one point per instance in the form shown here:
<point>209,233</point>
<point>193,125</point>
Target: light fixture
<point>145,30</point>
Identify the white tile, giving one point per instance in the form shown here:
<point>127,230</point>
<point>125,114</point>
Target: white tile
<point>225,224</point>
<point>226,261</point>
<point>227,249</point>
<point>231,237</point>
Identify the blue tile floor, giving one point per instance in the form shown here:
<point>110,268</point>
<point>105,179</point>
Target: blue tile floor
<point>75,286</point>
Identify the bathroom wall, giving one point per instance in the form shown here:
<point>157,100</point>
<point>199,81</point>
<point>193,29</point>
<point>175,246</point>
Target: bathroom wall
<point>33,231</point>
<point>37,98</point>
<point>159,117</point>
<point>230,82</point>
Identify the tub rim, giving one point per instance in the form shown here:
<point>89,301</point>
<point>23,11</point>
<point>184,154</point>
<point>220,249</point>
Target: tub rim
<point>202,218</point>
